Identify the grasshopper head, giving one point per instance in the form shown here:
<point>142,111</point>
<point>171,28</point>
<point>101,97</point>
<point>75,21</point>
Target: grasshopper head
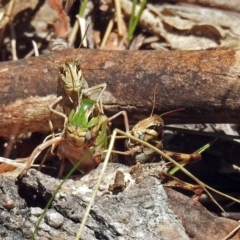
<point>149,129</point>
<point>71,78</point>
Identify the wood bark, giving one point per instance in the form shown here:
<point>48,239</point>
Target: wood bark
<point>205,83</point>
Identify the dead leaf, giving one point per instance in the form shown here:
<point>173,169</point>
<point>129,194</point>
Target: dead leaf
<point>199,223</point>
<point>62,24</point>
<point>188,27</point>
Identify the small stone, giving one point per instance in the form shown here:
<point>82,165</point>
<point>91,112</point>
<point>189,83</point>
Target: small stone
<point>54,219</point>
<point>33,219</point>
<point>36,211</point>
<point>6,201</point>
<point>44,227</point>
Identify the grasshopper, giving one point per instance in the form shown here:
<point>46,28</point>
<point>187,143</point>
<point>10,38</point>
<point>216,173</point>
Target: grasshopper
<point>86,133</point>
<point>72,87</point>
<point>85,124</point>
<point>151,130</point>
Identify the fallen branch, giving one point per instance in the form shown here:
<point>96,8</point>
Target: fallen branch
<point>205,83</point>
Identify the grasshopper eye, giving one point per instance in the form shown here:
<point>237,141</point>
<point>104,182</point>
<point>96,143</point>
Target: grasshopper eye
<point>156,128</point>
<point>63,71</point>
<point>151,133</point>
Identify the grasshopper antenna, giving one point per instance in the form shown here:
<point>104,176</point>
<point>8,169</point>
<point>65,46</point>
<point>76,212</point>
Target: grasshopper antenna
<point>154,105</point>
<point>172,111</point>
<point>81,42</point>
<point>154,99</point>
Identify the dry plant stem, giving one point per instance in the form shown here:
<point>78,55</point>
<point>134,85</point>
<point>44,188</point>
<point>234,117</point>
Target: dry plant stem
<point>107,32</point>
<point>119,15</point>
<point>82,24</point>
<point>35,47</point>
<point>147,19</point>
<point>18,163</point>
<point>232,232</point>
<point>11,141</point>
<point>73,33</point>
<point>107,157</point>
<point>205,83</point>
<point>13,42</point>
<point>33,51</point>
<point>7,14</point>
<point>5,20</point>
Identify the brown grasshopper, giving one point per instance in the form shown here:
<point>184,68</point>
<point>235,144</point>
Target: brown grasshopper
<point>146,161</point>
<point>151,130</point>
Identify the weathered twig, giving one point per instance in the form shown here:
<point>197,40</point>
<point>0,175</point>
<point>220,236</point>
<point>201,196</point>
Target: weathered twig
<point>205,83</point>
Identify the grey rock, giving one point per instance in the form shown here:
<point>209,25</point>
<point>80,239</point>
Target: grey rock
<point>139,211</point>
<point>54,219</point>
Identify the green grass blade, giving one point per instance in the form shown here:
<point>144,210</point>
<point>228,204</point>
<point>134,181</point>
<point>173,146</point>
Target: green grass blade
<point>56,191</point>
<point>132,15</point>
<point>134,20</point>
<point>82,9</point>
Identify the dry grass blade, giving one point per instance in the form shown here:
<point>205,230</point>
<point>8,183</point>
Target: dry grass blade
<point>107,32</point>
<point>5,20</point>
<point>232,233</point>
<point>16,163</point>
<point>107,157</point>
<point>119,15</point>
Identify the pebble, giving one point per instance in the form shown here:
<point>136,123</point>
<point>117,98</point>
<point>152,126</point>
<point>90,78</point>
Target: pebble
<point>54,219</point>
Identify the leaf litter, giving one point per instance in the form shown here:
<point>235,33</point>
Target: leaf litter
<point>175,27</point>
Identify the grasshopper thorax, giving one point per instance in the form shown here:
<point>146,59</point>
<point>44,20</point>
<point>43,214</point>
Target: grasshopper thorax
<point>84,123</point>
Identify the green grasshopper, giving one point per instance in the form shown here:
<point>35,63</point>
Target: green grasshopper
<point>87,129</point>
<point>72,87</point>
<point>86,133</point>
<point>85,123</point>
